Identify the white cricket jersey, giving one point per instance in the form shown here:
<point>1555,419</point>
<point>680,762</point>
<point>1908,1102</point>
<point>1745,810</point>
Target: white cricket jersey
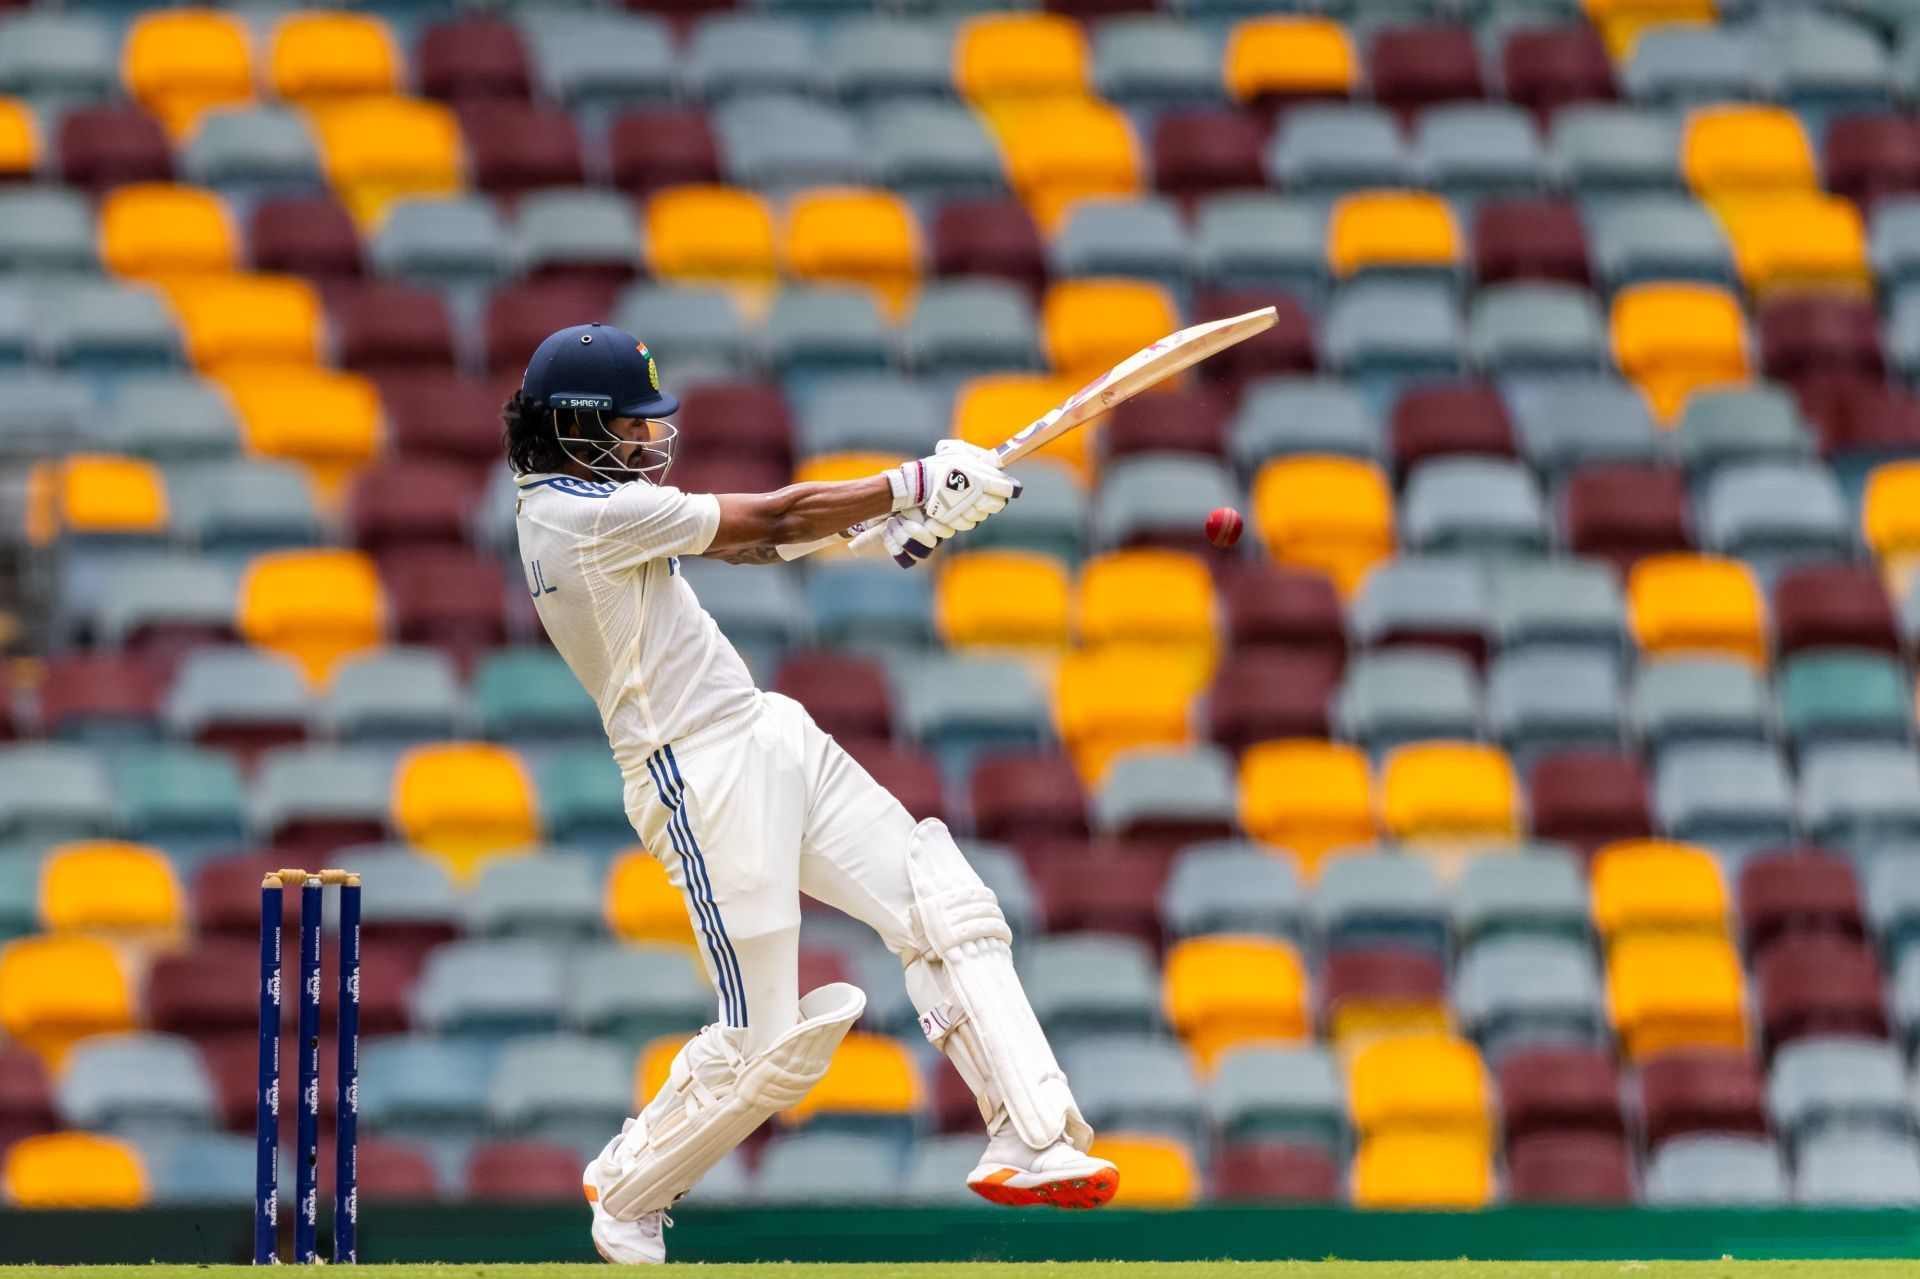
<point>600,563</point>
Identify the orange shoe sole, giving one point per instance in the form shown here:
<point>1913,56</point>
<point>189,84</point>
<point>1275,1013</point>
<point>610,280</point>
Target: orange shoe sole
<point>1091,1191</point>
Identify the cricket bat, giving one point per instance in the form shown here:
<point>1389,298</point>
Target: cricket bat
<point>1143,369</point>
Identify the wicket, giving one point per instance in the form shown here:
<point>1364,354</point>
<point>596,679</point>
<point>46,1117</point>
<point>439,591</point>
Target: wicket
<point>266,1188</point>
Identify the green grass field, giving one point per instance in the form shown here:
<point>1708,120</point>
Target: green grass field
<point>1072,1270</point>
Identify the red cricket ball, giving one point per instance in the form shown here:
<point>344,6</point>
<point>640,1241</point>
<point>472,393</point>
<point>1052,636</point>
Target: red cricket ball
<point>1224,525</point>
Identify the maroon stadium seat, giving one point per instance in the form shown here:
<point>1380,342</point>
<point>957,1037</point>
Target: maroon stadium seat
<point>520,317</point>
<point>1799,893</point>
<point>822,966</point>
<point>396,505</point>
<point>1873,156</point>
<point>1163,834</point>
<point>1546,68</point>
<point>515,146</point>
<point>1448,419</point>
<point>989,237</point>
<point>210,991</point>
<point>649,150</point>
<point>1381,976</point>
<point>453,600</point>
<point>1287,347</point>
<point>1833,605</point>
<point>1814,333</point>
<point>440,414</point>
<point>1861,415</point>
<point>1621,511</point>
<point>1570,1167</point>
<point>706,472</point>
<point>846,694</point>
<point>470,58</point>
<point>680,12</point>
<point>1589,798</point>
<point>1027,796</point>
<point>390,1171</point>
<point>1539,239</point>
<point>98,697</point>
<point>1100,892</point>
<point>735,419</point>
<point>226,895</point>
<point>379,327</point>
<point>1547,1090</point>
<point>523,1172</point>
<point>1701,1090</point>
<point>233,1064</point>
<point>102,147</point>
<point>1185,419</point>
<point>955,1108</point>
<point>26,1095</point>
<point>1286,608</point>
<point>304,235</point>
<point>1410,67</point>
<point>1270,1171</point>
<point>912,777</point>
<point>1262,693</point>
<point>1094,10</point>
<point>1197,153</point>
<point>1819,986</point>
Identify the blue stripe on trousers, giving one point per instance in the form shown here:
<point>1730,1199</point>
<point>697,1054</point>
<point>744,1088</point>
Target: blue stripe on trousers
<point>699,894</point>
<point>700,864</point>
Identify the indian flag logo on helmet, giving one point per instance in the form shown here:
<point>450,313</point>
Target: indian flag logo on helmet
<point>653,370</point>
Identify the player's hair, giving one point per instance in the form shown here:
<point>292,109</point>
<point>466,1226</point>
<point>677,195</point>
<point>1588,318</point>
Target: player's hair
<point>532,447</point>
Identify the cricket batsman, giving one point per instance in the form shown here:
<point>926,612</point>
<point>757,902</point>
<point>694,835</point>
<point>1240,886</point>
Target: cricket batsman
<point>748,804</point>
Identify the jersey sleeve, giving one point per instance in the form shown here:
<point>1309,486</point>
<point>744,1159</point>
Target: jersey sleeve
<point>641,522</point>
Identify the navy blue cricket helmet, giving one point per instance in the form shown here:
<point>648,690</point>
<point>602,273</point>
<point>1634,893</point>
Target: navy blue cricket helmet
<point>582,378</point>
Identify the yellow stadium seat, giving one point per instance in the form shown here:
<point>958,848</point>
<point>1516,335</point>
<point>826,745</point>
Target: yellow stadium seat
<point>866,238</point>
<point>99,494</point>
<point>1657,885</point>
<point>464,802</point>
<point>73,1170</point>
<point>1427,1082</point>
<point>327,420</point>
<point>164,231</point>
<point>19,139</point>
<point>655,1064</point>
<point>1004,599</point>
<point>54,990</point>
<point>710,233</point>
<point>1449,791</point>
<point>1423,1170</point>
<point>1391,230</point>
<point>828,468</point>
<point>319,56</point>
<point>1676,992</point>
<point>379,149</point>
<point>1155,1172</point>
<point>1673,339</point>
<point>178,63</point>
<point>1890,514</point>
<point>988,409</point>
<point>1307,795</point>
<point>1334,514</point>
<point>106,886</point>
<point>1797,240</point>
<point>1356,1019</point>
<point>642,904</point>
<point>1682,603</point>
<point>1108,701</point>
<point>1289,57</point>
<point>1221,992</point>
<point>1621,21</point>
<point>1092,325</point>
<point>1062,150</point>
<point>236,322</point>
<point>315,606</point>
<point>1741,148</point>
<point>998,56</point>
<point>1157,600</point>
<point>869,1075</point>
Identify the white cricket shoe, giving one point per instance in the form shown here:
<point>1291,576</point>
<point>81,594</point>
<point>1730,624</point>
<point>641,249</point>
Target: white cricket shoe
<point>624,1243</point>
<point>1015,1174</point>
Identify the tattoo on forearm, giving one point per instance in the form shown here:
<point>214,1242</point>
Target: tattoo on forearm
<point>747,555</point>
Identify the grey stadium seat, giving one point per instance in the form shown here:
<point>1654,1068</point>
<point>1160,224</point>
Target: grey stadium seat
<point>1293,1094</point>
<point>561,1088</point>
<point>459,239</point>
<point>1603,148</point>
<point>1736,796</point>
<point>1236,887</point>
<point>395,696</point>
<point>1281,415</point>
<point>933,149</point>
<point>52,793</point>
<point>636,993</point>
<point>822,331</point>
<point>136,1083</point>
<point>1722,426</point>
<point>1892,901</point>
<point>1903,330</point>
<point>1700,699</point>
<point>1407,695</point>
<point>529,694</point>
<point>1568,603</point>
<point>878,412</point>
<point>417,1086</point>
<point>1567,422</point>
<point>244,506</point>
<point>731,54</point>
<point>491,989</point>
<point>1423,593</point>
<point>1132,1084</point>
<point>1050,517</point>
<point>412,887</point>
<point>1684,65</point>
<point>1658,237</point>
<point>16,325</point>
<point>781,143</point>
<point>1382,899</point>
<point>1387,331</point>
<point>961,707</point>
<point>201,1168</point>
<point>168,417</point>
<point>1149,495</point>
<point>1141,238</point>
<point>1825,62</point>
<point>58,58</point>
<point>972,326</point>
<point>1150,60</point>
<point>1472,506</point>
<point>1905,993</point>
<point>1776,513</point>
<point>184,798</point>
<point>569,227</point>
<point>868,606</point>
<point>1536,890</point>
<point>1858,1170</point>
<point>317,783</point>
<point>1541,702</point>
<point>884,59</point>
<point>1716,1169</point>
<point>828,1167</point>
<point>695,331</point>
<point>1536,327</point>
<point>1477,150</point>
<point>1002,871</point>
<point>1893,241</point>
<point>1176,784</point>
<point>161,590</point>
<point>46,231</point>
<point>937,1169</point>
<point>1861,795</point>
<point>583,799</point>
<point>760,612</point>
<point>1826,1084</point>
<point>1321,149</point>
<point>41,414</point>
<point>603,59</point>
<point>1830,696</point>
<point>1091,983</point>
<point>1254,239</point>
<point>253,148</point>
<point>116,329</point>
<point>1531,992</point>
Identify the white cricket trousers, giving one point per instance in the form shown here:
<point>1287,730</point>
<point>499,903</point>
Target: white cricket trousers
<point>748,814</point>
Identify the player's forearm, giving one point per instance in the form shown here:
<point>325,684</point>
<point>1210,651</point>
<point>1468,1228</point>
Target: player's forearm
<point>797,513</point>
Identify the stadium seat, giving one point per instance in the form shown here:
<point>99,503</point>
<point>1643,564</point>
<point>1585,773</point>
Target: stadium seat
<point>1307,796</point>
<point>1394,696</point>
<point>997,57</point>
<point>1538,890</point>
<point>73,1170</point>
<point>642,905</point>
<point>318,58</point>
<point>1696,604</point>
<point>57,990</point>
<point>1392,232</point>
<point>560,1088</point>
<point>1653,886</point>
<point>1589,798</point>
<point>1415,1169</point>
<point>135,1084</point>
<point>179,64</point>
<point>1797,241</point>
<point>110,888</point>
<point>522,1172</point>
<point>1858,1171</point>
<point>1819,986</point>
<point>1716,1170</point>
<point>464,804</point>
<point>1755,422</point>
<point>1413,66</point>
<point>1518,993</point>
<point>1449,793</point>
<point>1589,1168</point>
<point>1060,150</point>
<point>1547,67</point>
<point>1870,158</point>
<point>1675,992</point>
<point>99,147</point>
<point>863,238</point>
<point>873,1085</point>
<point>1330,514</point>
<point>1093,983</point>
<point>1273,60</point>
<point>164,232</point>
<point>1541,702</point>
<point>1225,991</point>
<point>1739,150</point>
<point>589,58</point>
<point>473,58</point>
<point>379,149</point>
<point>250,327</point>
<point>51,793</point>
<point>59,56</point>
<point>1571,602</point>
<point>1005,599</point>
<point>314,606</point>
<point>1673,339</point>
